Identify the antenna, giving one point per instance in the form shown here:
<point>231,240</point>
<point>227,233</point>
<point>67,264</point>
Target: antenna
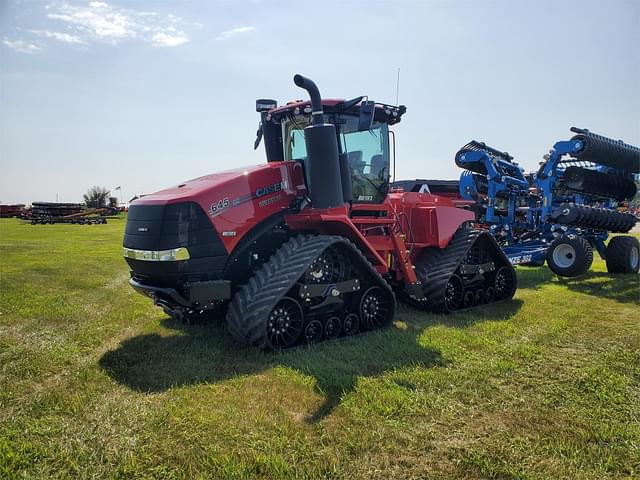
<point>398,87</point>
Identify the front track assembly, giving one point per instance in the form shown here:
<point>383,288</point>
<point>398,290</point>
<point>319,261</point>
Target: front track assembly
<point>315,287</point>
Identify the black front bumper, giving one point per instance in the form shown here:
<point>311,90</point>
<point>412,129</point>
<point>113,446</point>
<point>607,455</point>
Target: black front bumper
<point>198,294</point>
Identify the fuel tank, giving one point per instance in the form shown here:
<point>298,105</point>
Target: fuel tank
<point>429,220</point>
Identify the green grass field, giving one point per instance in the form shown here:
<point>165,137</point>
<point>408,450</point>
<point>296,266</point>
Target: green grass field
<point>96,382</point>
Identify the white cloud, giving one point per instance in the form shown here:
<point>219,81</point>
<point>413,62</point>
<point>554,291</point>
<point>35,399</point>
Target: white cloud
<point>233,32</point>
<point>100,21</point>
<point>165,40</point>
<point>60,36</point>
<point>22,46</point>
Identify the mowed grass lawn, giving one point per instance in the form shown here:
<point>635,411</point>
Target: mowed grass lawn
<point>96,382</point>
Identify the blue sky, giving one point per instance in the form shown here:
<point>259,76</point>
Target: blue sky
<point>145,94</point>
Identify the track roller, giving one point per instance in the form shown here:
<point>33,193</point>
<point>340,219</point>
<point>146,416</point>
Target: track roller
<point>351,324</point>
<point>623,255</point>
<point>313,332</point>
<point>332,328</point>
<point>490,294</point>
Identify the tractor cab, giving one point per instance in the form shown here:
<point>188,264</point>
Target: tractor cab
<point>362,130</point>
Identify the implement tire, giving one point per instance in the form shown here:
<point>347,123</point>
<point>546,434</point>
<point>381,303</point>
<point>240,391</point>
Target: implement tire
<point>569,256</point>
<point>623,255</point>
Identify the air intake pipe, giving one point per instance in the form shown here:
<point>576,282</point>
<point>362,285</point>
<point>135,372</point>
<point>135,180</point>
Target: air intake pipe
<point>322,166</point>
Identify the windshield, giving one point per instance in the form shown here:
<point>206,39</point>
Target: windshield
<point>367,153</point>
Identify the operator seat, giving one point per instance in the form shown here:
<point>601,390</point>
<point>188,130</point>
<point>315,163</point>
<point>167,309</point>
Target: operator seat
<point>356,165</point>
<point>378,166</point>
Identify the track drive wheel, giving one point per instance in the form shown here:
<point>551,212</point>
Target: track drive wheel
<point>623,255</point>
<point>569,256</point>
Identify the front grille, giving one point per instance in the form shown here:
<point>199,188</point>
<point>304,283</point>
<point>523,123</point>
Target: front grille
<point>165,227</point>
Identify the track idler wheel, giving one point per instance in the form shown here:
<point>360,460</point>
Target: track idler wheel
<point>376,308</point>
<point>505,283</point>
<point>569,256</point>
<point>284,324</point>
<point>454,298</point>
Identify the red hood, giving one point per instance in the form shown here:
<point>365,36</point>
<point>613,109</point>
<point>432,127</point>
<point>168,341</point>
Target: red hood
<point>194,188</point>
<point>239,199</point>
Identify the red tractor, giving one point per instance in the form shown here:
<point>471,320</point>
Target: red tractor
<point>312,244</point>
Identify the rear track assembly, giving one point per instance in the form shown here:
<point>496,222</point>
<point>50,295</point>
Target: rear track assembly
<point>470,271</point>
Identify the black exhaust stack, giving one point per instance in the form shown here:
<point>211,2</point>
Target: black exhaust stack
<point>322,167</point>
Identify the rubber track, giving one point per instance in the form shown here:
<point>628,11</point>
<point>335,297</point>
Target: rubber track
<point>593,217</point>
<point>435,266</point>
<point>250,307</point>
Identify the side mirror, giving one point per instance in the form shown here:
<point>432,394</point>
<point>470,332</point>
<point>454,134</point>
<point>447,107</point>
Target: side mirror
<point>367,111</point>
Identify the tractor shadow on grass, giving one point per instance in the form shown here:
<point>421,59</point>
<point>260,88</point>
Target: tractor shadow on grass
<point>618,287</point>
<point>623,288</point>
<point>196,354</point>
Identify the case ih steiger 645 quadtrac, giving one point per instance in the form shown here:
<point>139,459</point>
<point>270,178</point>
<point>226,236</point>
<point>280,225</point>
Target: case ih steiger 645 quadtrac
<point>312,244</point>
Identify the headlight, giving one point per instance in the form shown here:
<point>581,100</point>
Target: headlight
<point>173,255</point>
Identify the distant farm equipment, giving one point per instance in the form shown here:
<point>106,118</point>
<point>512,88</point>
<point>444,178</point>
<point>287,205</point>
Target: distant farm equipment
<point>42,213</point>
<point>8,211</point>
